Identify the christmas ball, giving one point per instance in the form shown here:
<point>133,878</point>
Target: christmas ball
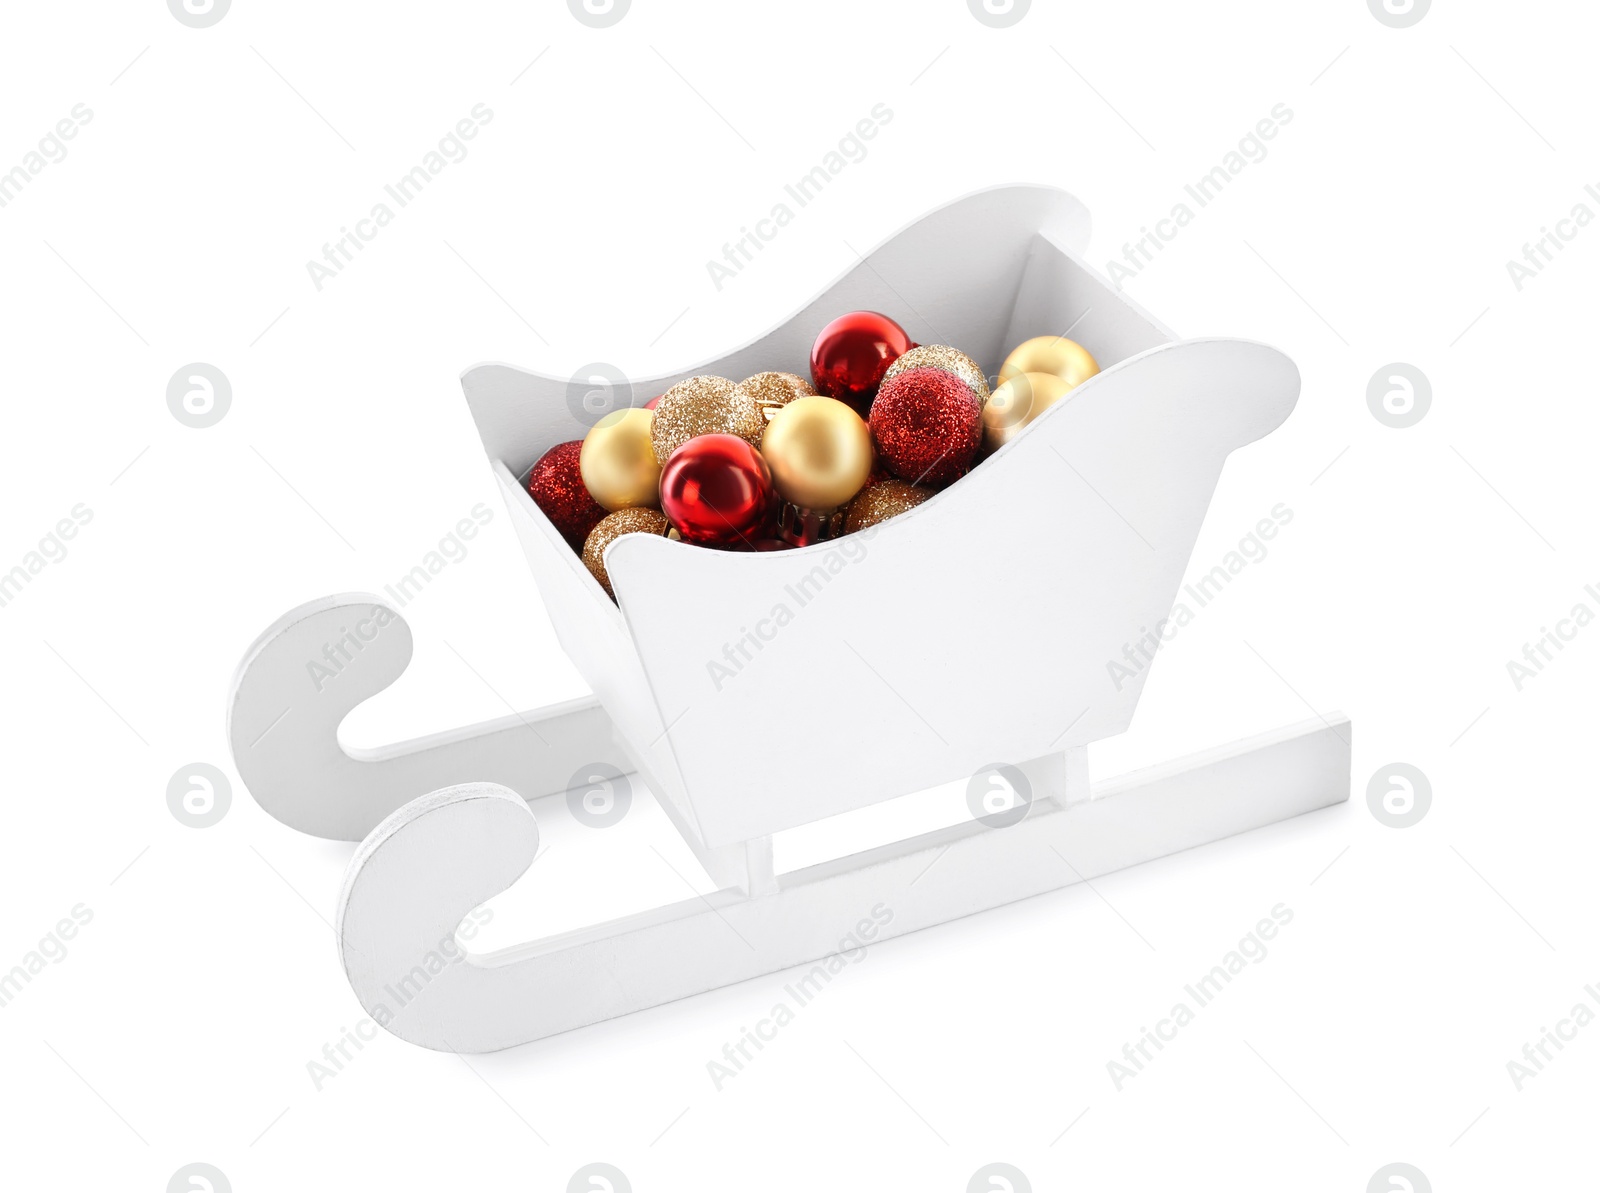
<point>1064,358</point>
<point>610,529</point>
<point>1016,403</point>
<point>556,486</point>
<point>820,452</point>
<point>618,462</point>
<point>942,356</point>
<point>926,426</point>
<point>771,392</point>
<point>716,489</point>
<point>703,406</point>
<point>882,501</point>
<point>852,354</point>
<point>651,404</point>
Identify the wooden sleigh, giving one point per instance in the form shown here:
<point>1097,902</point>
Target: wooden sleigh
<point>1087,520</point>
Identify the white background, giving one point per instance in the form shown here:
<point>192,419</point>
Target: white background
<point>179,1026</point>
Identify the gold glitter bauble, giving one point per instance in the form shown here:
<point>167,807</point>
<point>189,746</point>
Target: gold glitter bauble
<point>617,462</point>
<point>1016,403</point>
<point>882,501</point>
<point>1058,355</point>
<point>612,527</point>
<point>704,406</point>
<point>819,451</point>
<point>942,356</point>
<point>771,392</point>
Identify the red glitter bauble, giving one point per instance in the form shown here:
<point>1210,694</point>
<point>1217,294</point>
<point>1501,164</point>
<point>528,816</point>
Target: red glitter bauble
<point>927,426</point>
<point>556,487</point>
<point>717,489</point>
<point>852,354</point>
<point>879,472</point>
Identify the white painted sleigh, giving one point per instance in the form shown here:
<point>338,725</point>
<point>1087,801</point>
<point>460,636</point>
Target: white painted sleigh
<point>870,688</point>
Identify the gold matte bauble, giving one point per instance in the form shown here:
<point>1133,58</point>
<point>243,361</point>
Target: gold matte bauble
<point>618,462</point>
<point>1057,355</point>
<point>1016,403</point>
<point>819,451</point>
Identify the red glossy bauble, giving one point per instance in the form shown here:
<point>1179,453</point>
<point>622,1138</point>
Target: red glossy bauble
<point>716,489</point>
<point>852,354</point>
<point>557,488</point>
<point>927,425</point>
<point>651,404</point>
